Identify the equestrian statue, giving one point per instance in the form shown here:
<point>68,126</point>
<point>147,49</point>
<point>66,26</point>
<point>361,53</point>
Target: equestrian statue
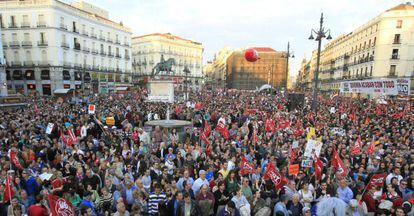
<point>163,66</point>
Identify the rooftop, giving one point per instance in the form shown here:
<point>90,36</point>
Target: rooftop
<point>406,6</point>
<point>168,36</point>
<point>263,49</point>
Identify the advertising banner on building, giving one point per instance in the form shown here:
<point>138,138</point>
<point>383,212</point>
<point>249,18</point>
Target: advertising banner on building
<point>377,86</point>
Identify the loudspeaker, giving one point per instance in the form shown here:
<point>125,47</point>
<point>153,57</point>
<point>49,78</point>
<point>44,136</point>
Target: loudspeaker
<point>295,101</point>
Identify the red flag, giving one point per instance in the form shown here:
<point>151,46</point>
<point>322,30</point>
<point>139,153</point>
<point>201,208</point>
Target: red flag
<point>15,161</point>
<point>352,116</point>
<point>245,167</point>
<point>198,106</point>
<point>338,164</point>
<point>356,149</point>
<point>250,111</point>
<point>8,191</point>
<point>283,123</point>
<point>298,131</point>
<point>377,179</point>
<point>222,129</point>
<point>60,206</point>
<point>378,110</point>
<point>398,115</point>
<point>63,138</point>
<point>72,137</point>
<point>292,155</point>
<point>204,138</point>
<point>270,125</point>
<point>272,174</point>
<point>371,147</point>
<point>207,128</point>
<point>318,167</point>
<point>177,109</point>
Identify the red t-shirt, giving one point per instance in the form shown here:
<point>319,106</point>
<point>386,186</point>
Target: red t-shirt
<point>35,210</point>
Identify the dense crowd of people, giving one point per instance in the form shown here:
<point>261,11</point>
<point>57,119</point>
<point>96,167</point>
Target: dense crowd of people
<point>245,154</point>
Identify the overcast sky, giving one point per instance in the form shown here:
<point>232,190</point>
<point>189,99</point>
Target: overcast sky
<point>241,23</point>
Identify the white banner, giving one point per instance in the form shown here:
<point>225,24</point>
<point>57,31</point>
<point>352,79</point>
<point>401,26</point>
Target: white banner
<point>313,147</point>
<point>377,86</point>
<point>49,128</point>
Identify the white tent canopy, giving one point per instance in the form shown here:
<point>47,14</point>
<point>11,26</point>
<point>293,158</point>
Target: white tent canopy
<point>61,91</point>
<point>264,87</point>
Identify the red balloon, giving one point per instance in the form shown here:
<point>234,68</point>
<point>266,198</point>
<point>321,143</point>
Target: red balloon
<point>251,55</point>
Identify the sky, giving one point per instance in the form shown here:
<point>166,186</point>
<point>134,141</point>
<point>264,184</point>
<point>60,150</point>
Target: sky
<point>244,23</point>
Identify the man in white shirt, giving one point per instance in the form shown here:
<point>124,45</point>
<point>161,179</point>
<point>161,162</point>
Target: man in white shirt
<point>143,136</point>
<point>199,182</point>
<point>396,173</point>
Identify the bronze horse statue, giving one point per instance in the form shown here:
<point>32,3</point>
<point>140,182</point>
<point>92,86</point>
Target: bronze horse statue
<point>163,65</point>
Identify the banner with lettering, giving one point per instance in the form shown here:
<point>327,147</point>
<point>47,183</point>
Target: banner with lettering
<point>377,86</point>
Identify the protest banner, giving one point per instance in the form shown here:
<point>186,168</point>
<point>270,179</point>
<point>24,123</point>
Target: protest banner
<point>313,147</point>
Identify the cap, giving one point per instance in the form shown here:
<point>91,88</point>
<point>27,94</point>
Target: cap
<point>201,172</point>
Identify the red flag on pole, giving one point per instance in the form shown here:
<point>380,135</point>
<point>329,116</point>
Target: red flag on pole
<point>292,155</point>
<point>198,106</point>
<point>72,137</point>
<point>298,131</point>
<point>222,129</point>
<point>272,174</point>
<point>36,109</point>
<point>270,125</point>
<point>377,179</point>
<point>63,138</point>
<point>8,192</point>
<point>204,138</point>
<point>60,206</point>
<point>318,167</point>
<point>338,164</point>
<point>245,167</point>
<point>207,128</point>
<point>177,109</point>
<point>255,139</point>
<point>356,149</point>
<point>283,123</point>
<point>378,110</point>
<point>15,161</point>
<point>371,147</point>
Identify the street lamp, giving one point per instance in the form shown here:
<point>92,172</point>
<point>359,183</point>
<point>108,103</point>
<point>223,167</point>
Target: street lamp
<point>320,34</point>
<point>186,71</point>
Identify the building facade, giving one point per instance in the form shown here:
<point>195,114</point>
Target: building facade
<point>147,52</point>
<point>381,48</point>
<point>269,69</point>
<point>3,80</point>
<point>51,45</point>
<point>215,72</point>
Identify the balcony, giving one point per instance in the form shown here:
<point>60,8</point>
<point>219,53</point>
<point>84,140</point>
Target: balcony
<point>25,25</point>
<point>16,63</point>
<point>110,69</point>
<point>26,44</point>
<point>102,53</point>
<point>41,24</point>
<point>392,74</point>
<point>396,42</point>
<point>94,51</point>
<point>127,57</point>
<point>64,45</point>
<point>86,50</point>
<point>102,38</point>
<point>77,47</point>
<point>95,68</point>
<point>42,44</point>
<point>14,44</point>
<point>118,42</point>
<point>126,44</point>
<point>110,54</point>
<point>4,45</point>
<point>75,31</point>
<point>66,64</point>
<point>64,27</point>
<point>13,25</point>
<point>77,66</point>
<point>44,63</point>
<point>29,63</point>
<point>118,56</point>
<point>93,35</point>
<point>395,57</point>
<point>85,33</point>
<point>109,40</point>
<point>371,58</point>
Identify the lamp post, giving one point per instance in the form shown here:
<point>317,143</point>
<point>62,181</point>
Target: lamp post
<point>186,71</point>
<point>320,34</point>
<point>288,54</point>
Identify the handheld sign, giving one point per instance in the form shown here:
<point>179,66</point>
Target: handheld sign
<point>91,109</point>
<point>49,128</point>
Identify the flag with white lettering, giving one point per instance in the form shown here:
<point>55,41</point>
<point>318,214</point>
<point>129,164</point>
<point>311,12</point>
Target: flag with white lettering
<point>60,206</point>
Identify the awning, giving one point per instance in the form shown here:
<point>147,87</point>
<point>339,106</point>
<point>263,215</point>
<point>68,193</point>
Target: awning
<point>61,91</point>
<point>121,88</point>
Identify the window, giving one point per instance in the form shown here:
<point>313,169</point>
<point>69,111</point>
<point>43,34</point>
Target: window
<point>392,70</point>
<point>42,37</point>
<point>394,54</point>
<point>14,37</point>
<point>16,56</point>
<point>397,39</point>
<point>12,21</point>
<point>25,19</point>
<point>366,71</point>
<point>44,55</point>
<point>102,48</point>
<point>399,23</point>
<point>28,56</point>
<point>74,27</point>
<point>1,21</point>
<point>26,36</point>
<point>375,40</point>
<point>41,19</point>
<point>370,72</point>
<point>62,21</point>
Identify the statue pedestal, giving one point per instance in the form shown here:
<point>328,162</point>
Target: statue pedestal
<point>161,91</point>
